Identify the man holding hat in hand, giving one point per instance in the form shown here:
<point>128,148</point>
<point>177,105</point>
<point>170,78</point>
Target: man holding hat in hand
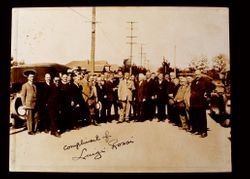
<point>29,97</point>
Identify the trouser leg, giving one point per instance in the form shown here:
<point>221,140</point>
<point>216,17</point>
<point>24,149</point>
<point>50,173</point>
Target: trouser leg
<point>127,110</point>
<point>29,120</point>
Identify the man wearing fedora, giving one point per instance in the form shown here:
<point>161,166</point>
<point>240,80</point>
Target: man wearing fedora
<point>29,98</point>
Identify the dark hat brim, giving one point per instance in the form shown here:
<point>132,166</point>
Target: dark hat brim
<point>30,71</point>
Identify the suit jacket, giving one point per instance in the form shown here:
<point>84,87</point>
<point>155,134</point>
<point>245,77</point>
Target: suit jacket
<point>76,95</point>
<point>150,89</point>
<point>101,92</point>
<point>66,94</point>
<point>161,91</point>
<point>109,88</point>
<point>29,95</point>
<point>140,91</point>
<point>54,98</point>
<point>45,94</point>
<point>125,90</point>
<point>200,87</point>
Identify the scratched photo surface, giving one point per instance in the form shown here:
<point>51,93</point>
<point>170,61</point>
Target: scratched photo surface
<point>158,39</point>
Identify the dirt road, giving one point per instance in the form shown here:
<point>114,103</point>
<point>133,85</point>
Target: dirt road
<point>148,146</point>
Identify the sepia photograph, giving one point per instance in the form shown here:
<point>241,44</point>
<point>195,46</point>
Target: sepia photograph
<point>120,89</point>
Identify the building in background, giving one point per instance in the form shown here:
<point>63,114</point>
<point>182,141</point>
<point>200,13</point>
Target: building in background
<point>99,65</point>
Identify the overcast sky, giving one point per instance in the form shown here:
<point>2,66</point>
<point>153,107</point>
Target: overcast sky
<point>61,35</point>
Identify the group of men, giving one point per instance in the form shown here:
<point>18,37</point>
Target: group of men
<point>71,100</point>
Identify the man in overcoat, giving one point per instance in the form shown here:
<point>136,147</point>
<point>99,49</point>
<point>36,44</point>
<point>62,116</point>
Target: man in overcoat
<point>201,87</point>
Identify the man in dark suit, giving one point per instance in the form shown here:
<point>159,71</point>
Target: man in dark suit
<point>161,92</point>
<point>173,86</point>
<point>78,104</point>
<point>54,106</point>
<point>111,91</point>
<point>29,99</point>
<point>65,120</point>
<point>43,114</point>
<point>140,98</point>
<point>150,97</point>
<point>201,87</point>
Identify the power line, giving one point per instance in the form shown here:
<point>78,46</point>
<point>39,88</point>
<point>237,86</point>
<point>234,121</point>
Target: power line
<point>78,13</point>
<point>110,41</point>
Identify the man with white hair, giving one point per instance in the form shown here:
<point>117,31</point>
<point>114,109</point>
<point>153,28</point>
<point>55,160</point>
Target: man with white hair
<point>173,86</point>
<point>172,76</point>
<point>125,88</point>
<point>150,97</point>
<point>161,92</point>
<point>180,102</point>
<point>140,97</point>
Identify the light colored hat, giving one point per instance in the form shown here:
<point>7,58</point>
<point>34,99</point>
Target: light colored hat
<point>98,105</point>
<point>30,71</point>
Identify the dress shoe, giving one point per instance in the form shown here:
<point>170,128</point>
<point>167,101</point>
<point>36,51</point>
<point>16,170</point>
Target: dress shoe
<point>46,131</point>
<point>197,133</point>
<point>95,124</point>
<point>192,131</point>
<point>56,134</point>
<point>31,133</point>
<point>203,135</point>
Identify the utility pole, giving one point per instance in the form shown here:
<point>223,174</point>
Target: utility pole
<point>131,44</point>
<point>164,65</point>
<point>145,60</point>
<point>93,34</point>
<point>175,60</point>
<point>142,53</point>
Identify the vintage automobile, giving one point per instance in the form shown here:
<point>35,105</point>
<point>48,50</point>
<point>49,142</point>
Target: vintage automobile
<point>220,104</point>
<point>17,78</point>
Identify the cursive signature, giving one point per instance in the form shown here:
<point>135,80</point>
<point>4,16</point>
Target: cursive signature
<point>115,143</point>
<point>96,155</point>
<point>112,143</point>
<point>82,142</point>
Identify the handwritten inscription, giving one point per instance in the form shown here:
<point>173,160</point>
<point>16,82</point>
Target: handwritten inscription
<point>112,143</point>
<point>96,155</point>
<point>82,142</point>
